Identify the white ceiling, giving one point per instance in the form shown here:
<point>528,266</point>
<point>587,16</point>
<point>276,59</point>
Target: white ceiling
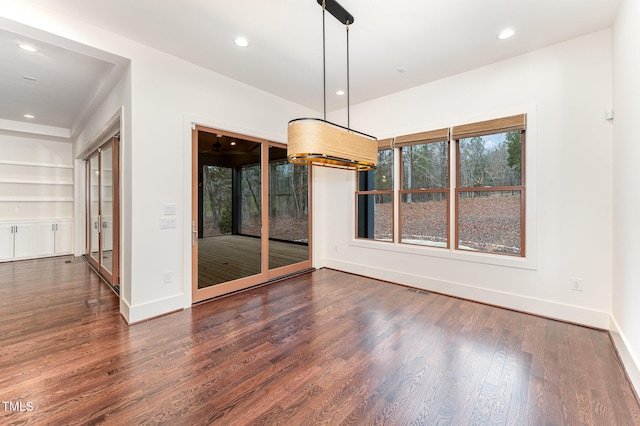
<point>51,84</point>
<point>431,39</point>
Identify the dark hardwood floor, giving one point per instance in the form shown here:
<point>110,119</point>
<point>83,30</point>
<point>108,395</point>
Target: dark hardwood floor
<point>322,348</point>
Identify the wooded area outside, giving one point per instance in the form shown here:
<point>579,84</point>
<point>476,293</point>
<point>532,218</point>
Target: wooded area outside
<point>288,201</point>
<point>488,221</point>
<point>217,201</point>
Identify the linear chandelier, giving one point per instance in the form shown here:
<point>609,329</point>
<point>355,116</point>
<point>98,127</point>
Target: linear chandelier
<point>315,141</point>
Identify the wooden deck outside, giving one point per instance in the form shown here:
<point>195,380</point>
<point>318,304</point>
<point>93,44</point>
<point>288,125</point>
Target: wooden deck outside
<point>321,348</point>
<point>230,257</point>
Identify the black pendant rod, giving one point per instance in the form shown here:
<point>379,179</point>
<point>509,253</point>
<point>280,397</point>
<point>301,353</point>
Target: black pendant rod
<point>324,61</point>
<point>337,11</point>
<point>341,14</point>
<point>348,102</point>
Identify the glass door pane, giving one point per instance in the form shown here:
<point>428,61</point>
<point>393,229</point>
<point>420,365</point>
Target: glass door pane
<point>93,204</point>
<point>229,244</point>
<point>106,204</point>
<point>102,211</point>
<point>288,210</point>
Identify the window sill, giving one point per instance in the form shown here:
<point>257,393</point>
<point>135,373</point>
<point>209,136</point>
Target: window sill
<point>507,261</point>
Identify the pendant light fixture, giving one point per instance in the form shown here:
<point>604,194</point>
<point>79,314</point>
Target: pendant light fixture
<point>319,142</point>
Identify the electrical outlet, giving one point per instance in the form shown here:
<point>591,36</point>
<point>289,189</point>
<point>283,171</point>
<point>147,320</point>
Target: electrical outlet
<point>168,277</point>
<point>576,284</point>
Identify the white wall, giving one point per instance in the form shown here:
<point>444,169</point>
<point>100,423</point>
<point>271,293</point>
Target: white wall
<point>626,181</point>
<point>565,89</point>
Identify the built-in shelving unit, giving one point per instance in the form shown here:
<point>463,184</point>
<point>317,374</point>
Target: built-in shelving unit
<point>36,197</point>
<point>28,189</point>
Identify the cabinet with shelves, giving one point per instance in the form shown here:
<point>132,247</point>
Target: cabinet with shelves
<point>36,197</point>
<point>30,191</point>
<point>22,181</point>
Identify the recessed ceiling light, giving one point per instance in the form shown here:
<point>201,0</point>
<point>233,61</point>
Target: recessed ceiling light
<point>241,42</point>
<point>340,92</point>
<point>506,33</point>
<point>27,47</point>
<point>28,116</point>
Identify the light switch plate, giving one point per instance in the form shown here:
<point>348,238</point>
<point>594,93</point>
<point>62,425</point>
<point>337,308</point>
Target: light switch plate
<point>167,222</point>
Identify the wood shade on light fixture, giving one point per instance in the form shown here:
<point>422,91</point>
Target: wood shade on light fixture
<point>322,143</point>
<point>313,141</point>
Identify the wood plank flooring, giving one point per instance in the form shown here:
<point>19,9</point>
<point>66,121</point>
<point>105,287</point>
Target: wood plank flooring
<point>322,348</point>
<point>230,257</point>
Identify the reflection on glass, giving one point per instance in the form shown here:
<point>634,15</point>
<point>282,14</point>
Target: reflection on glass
<point>489,221</point>
<point>94,196</point>
<point>382,177</point>
<point>216,209</point>
<point>375,216</point>
<point>415,207</point>
<point>229,245</point>
<point>375,210</point>
<point>107,206</point>
<point>288,210</point>
<point>250,214</point>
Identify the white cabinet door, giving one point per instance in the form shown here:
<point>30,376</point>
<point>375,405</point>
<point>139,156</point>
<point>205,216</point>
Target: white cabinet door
<point>64,238</point>
<point>46,239</point>
<point>25,241</point>
<point>38,239</point>
<point>6,242</point>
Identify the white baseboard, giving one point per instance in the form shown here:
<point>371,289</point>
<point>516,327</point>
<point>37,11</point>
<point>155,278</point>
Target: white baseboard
<point>569,313</point>
<point>125,309</point>
<point>629,359</point>
<point>137,313</point>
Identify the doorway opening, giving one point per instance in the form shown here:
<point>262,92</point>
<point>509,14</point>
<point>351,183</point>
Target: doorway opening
<point>250,213</point>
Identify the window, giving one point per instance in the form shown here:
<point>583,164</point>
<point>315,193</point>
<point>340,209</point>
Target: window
<point>486,193</point>
<point>424,191</point>
<point>490,190</point>
<point>374,198</point>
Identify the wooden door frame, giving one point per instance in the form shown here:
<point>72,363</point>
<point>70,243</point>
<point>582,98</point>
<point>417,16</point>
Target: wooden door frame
<point>265,275</point>
<point>93,262</point>
<point>198,294</point>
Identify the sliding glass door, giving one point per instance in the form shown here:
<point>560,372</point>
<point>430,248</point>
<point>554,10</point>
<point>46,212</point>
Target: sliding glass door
<point>250,213</point>
<point>102,211</point>
<point>93,214</point>
<point>288,214</point>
